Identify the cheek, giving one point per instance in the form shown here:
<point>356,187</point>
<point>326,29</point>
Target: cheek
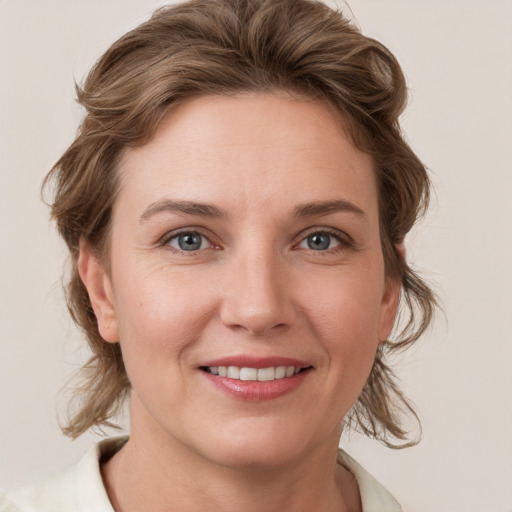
<point>159,317</point>
<point>346,318</point>
<point>347,300</point>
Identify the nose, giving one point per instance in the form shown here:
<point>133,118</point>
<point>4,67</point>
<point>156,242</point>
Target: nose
<point>257,294</point>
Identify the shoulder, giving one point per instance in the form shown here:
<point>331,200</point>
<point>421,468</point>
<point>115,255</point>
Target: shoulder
<point>374,497</point>
<point>6,505</point>
<point>79,489</point>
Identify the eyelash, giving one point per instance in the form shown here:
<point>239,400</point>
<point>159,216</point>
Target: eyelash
<point>345,242</point>
<point>166,239</point>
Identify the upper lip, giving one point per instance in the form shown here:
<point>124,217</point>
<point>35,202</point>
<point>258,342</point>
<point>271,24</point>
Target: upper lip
<point>243,361</point>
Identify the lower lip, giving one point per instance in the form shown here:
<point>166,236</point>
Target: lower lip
<point>254,391</point>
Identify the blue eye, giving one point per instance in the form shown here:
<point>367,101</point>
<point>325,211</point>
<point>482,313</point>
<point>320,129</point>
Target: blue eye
<point>319,242</point>
<point>188,241</point>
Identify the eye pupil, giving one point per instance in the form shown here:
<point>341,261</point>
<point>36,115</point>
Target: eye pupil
<point>318,241</point>
<point>189,241</point>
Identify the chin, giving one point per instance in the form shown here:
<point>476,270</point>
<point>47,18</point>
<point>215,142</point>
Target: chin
<point>264,449</point>
<point>255,458</point>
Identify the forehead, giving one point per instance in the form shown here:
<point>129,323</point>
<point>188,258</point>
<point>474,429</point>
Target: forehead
<point>248,149</point>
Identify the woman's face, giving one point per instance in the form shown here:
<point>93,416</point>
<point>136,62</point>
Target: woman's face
<point>245,235</point>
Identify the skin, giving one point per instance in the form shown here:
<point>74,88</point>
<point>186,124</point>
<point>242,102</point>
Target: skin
<point>254,287</point>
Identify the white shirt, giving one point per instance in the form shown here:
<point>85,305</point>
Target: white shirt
<point>81,489</point>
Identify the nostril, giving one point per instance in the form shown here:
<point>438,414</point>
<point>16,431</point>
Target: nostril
<point>255,301</point>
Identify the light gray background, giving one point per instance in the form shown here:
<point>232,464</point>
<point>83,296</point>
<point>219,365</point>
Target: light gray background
<point>457,56</point>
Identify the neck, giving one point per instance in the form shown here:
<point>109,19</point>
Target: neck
<point>155,472</point>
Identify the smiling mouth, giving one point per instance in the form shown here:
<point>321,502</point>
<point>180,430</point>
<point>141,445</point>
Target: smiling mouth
<point>254,374</point>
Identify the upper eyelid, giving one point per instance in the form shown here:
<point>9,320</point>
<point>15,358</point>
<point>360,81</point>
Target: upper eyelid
<point>169,235</point>
<point>340,235</point>
<point>166,239</point>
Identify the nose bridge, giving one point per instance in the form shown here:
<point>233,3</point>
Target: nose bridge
<point>256,297</point>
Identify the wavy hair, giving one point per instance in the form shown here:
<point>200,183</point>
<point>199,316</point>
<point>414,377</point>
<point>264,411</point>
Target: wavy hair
<point>225,47</point>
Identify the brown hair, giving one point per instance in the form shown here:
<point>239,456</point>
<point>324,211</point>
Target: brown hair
<point>224,47</point>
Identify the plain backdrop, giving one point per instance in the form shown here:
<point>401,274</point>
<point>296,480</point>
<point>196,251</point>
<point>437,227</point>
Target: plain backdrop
<point>457,56</point>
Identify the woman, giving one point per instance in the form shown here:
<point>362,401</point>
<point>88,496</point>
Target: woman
<point>235,205</point>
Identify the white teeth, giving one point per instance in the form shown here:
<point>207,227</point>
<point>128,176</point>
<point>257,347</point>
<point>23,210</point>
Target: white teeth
<point>248,374</point>
<point>266,374</point>
<point>280,372</point>
<point>233,372</point>
<point>254,374</point>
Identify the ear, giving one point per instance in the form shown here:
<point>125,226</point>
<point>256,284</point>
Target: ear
<point>99,286</point>
<point>390,301</point>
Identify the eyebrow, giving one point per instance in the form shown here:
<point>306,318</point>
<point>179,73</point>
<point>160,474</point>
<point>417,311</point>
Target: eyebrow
<point>209,210</point>
<point>187,207</point>
<point>326,207</point>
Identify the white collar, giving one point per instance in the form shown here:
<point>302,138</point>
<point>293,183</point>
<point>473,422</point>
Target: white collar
<point>81,488</point>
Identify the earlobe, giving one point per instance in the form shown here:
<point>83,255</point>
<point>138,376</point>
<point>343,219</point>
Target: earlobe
<point>99,286</point>
<point>389,307</point>
<point>390,301</point>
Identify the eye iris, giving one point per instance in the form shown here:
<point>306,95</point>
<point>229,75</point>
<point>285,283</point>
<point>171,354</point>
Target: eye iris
<point>319,241</point>
<point>189,241</point>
